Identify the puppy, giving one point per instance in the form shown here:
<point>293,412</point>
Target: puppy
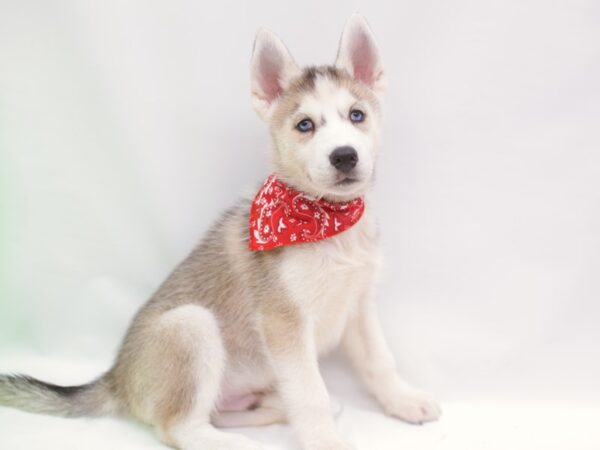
<point>232,337</point>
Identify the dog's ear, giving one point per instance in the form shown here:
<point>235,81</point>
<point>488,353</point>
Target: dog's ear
<point>272,69</point>
<point>359,55</point>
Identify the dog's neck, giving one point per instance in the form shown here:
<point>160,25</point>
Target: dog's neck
<point>281,216</point>
<point>315,192</point>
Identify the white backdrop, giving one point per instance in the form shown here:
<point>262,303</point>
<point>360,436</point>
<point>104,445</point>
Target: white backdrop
<point>126,127</point>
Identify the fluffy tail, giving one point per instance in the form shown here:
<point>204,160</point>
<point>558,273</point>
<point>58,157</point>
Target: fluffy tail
<point>31,395</point>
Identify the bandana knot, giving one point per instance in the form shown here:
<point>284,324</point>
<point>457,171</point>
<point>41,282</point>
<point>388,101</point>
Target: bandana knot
<point>281,215</point>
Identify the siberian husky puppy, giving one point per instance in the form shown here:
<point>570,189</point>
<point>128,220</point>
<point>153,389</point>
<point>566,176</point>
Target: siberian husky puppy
<point>233,336</point>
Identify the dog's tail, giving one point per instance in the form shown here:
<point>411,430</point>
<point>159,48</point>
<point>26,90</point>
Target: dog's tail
<point>32,395</point>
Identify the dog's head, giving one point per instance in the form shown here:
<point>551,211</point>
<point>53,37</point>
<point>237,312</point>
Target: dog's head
<point>324,121</point>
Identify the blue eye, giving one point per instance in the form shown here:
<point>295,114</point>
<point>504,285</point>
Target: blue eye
<point>305,125</point>
<point>357,116</point>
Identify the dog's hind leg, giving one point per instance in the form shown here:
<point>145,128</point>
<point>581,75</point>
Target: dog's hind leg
<point>182,370</point>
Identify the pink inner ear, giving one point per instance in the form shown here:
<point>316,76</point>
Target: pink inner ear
<point>270,67</point>
<point>363,59</point>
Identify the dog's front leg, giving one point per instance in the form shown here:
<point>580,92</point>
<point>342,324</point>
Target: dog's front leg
<point>290,342</point>
<point>365,345</point>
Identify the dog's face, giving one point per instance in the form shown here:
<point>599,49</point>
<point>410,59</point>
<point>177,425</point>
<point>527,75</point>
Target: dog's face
<point>324,121</point>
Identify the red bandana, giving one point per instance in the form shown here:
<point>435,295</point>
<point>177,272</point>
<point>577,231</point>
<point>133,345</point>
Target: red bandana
<point>280,216</point>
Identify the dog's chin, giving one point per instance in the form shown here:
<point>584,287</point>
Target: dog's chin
<point>346,188</point>
<point>335,187</point>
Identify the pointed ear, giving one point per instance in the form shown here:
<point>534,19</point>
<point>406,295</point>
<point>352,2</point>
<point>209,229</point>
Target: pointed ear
<point>272,69</point>
<point>359,55</point>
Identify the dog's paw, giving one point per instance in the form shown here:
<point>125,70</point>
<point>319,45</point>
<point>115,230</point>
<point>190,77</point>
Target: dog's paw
<point>413,406</point>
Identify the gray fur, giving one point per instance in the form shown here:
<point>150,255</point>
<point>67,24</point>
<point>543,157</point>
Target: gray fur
<point>217,275</point>
<point>32,395</point>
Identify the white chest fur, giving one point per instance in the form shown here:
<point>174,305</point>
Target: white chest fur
<point>327,278</point>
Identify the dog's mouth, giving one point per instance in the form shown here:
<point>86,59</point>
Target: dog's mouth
<point>346,181</point>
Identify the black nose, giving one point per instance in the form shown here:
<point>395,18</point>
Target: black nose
<point>344,158</point>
